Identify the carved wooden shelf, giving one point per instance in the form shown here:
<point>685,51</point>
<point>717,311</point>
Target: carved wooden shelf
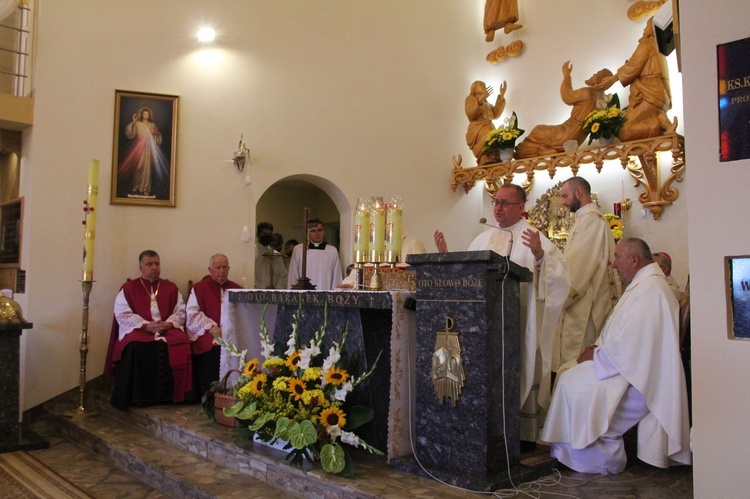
<point>656,194</point>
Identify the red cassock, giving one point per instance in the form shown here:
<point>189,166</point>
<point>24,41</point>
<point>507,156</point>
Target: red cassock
<point>139,300</point>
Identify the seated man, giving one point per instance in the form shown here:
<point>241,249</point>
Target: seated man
<point>204,307</point>
<point>664,261</point>
<point>632,374</point>
<point>149,353</point>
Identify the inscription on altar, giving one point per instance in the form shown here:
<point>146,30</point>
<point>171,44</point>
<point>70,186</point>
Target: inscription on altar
<point>351,299</point>
<point>451,283</point>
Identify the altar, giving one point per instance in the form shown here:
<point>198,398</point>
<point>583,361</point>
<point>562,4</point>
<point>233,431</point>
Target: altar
<point>376,321</point>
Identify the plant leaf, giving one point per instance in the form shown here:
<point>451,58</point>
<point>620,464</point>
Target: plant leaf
<point>357,416</point>
<point>332,458</point>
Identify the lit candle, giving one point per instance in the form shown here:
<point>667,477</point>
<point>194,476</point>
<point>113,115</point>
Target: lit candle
<point>89,222</point>
<point>377,229</point>
<point>393,229</point>
<point>361,230</point>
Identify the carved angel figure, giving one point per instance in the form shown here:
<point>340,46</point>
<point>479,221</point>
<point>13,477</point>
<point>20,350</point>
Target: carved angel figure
<point>500,14</point>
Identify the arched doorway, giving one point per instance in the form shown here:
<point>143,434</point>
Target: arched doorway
<point>283,204</point>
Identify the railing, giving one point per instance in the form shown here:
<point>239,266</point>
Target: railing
<point>15,47</point>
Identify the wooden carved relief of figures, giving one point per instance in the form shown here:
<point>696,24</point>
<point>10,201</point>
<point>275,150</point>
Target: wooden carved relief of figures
<point>480,114</point>
<point>647,75</point>
<point>501,15</point>
<point>549,139</point>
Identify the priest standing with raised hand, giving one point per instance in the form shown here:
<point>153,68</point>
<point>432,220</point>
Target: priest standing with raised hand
<point>541,301</point>
<point>632,375</point>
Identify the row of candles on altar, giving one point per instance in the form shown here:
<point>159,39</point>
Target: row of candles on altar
<point>377,229</point>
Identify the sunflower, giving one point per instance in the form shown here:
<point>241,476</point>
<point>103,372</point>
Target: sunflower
<point>257,384</point>
<point>336,376</point>
<point>615,225</point>
<point>595,128</point>
<point>296,388</point>
<point>333,416</point>
<point>292,360</point>
<point>250,367</point>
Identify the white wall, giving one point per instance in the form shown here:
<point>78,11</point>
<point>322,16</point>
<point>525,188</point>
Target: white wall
<point>365,98</point>
<point>718,205</point>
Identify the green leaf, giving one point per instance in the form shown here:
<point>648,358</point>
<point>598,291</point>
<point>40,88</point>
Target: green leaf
<point>302,434</point>
<point>234,410</point>
<point>358,415</point>
<point>247,413</point>
<point>282,427</point>
<point>332,458</point>
<point>262,421</point>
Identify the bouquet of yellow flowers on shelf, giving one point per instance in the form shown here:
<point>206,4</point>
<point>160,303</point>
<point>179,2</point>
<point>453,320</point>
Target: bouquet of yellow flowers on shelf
<point>505,136</point>
<point>299,397</point>
<point>615,225</point>
<point>606,120</point>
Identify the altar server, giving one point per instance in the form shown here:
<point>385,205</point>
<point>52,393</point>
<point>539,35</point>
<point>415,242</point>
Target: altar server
<point>323,265</point>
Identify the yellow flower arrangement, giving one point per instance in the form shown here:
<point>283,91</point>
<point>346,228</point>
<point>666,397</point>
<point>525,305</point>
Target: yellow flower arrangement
<point>615,225</point>
<point>300,397</point>
<point>505,136</point>
<point>606,120</point>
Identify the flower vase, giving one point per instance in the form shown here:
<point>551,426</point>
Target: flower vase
<point>606,141</point>
<point>506,154</point>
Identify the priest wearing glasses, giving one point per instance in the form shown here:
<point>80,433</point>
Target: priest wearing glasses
<point>541,300</point>
<point>149,351</point>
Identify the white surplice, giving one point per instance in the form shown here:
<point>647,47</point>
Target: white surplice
<point>323,267</point>
<point>270,271</point>
<point>541,305</point>
<point>641,345</point>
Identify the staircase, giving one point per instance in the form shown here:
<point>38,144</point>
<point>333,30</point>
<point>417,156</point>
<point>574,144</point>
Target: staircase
<point>177,451</point>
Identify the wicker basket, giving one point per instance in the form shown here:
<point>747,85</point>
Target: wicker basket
<point>221,401</point>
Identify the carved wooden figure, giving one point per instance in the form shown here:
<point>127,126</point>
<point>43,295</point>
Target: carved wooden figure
<point>480,114</point>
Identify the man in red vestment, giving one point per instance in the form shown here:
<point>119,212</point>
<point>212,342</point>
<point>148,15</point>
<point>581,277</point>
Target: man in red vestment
<point>204,307</point>
<point>149,353</point>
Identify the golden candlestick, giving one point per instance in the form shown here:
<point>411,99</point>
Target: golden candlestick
<point>81,411</point>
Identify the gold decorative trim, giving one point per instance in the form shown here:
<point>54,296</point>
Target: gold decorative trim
<point>642,9</point>
<point>656,194</point>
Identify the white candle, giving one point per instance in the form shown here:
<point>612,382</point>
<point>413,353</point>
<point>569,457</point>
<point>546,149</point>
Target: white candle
<point>89,222</point>
<point>361,230</point>
<point>393,229</point>
<point>377,229</point>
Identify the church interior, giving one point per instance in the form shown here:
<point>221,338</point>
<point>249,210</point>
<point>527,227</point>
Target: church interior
<point>364,85</point>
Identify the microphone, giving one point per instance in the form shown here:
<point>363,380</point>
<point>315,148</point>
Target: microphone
<point>483,221</point>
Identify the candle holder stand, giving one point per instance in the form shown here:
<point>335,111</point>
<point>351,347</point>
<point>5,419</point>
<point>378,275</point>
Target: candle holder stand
<point>626,203</point>
<point>81,410</point>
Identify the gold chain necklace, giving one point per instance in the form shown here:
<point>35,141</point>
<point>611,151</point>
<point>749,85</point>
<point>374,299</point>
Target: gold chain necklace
<point>152,294</point>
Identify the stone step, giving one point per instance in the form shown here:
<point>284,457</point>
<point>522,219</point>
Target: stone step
<point>165,467</point>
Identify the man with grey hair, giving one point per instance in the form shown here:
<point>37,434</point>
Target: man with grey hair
<point>594,287</point>
<point>203,321</point>
<point>664,261</point>
<point>632,375</point>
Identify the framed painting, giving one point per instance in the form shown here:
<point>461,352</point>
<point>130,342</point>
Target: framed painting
<point>144,151</point>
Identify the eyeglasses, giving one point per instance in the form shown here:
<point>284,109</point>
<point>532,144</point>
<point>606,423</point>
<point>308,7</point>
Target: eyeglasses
<point>503,203</point>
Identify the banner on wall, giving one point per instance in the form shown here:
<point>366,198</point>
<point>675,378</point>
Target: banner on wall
<point>733,64</point>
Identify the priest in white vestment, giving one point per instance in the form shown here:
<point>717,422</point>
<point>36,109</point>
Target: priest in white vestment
<point>594,286</point>
<point>632,375</point>
<point>323,265</point>
<point>541,301</point>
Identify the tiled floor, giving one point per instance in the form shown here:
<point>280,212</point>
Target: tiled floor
<point>95,475</point>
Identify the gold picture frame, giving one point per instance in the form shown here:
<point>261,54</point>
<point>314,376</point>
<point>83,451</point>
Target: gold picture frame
<point>144,150</point>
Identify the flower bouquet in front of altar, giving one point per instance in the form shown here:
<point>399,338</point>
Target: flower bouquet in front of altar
<point>298,395</point>
<point>604,122</point>
<point>504,138</point>
<point>615,225</point>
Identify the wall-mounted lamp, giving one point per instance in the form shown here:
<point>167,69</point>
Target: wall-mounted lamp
<point>241,155</point>
<point>206,35</point>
